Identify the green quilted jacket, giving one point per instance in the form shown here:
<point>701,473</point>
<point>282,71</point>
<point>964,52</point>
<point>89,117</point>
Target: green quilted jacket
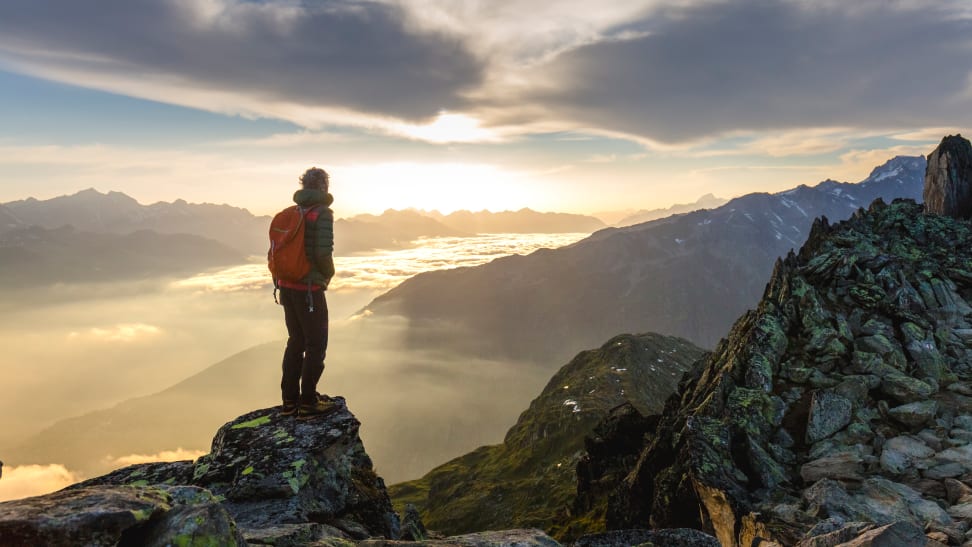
<point>318,235</point>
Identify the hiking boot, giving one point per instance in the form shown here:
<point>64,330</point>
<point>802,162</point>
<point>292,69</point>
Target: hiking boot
<point>288,408</point>
<point>319,407</point>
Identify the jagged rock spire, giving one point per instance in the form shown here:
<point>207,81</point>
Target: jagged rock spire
<point>948,178</point>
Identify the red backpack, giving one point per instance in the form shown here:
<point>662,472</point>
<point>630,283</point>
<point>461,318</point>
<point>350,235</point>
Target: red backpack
<point>287,257</point>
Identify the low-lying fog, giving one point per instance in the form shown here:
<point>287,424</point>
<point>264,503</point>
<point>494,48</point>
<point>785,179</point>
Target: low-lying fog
<point>74,349</point>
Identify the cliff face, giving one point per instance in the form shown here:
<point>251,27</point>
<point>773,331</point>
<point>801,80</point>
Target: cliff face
<point>845,397</point>
<point>948,178</point>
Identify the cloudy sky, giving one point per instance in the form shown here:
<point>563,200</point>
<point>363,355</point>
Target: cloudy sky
<point>473,104</point>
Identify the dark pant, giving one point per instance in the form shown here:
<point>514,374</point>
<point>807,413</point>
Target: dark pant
<point>303,360</point>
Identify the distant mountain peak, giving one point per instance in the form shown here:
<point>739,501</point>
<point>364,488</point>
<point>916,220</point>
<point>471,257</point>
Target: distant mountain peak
<point>896,166</point>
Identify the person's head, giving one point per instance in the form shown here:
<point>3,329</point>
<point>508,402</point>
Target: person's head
<point>317,178</point>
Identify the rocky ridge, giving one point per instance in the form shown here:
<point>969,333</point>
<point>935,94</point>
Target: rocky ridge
<point>841,407</point>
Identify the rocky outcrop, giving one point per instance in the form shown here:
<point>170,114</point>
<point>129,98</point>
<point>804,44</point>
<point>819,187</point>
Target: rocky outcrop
<point>148,516</point>
<point>281,481</point>
<point>841,405</point>
<point>528,480</point>
<point>948,178</point>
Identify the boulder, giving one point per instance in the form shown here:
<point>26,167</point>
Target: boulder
<point>914,414</point>
<point>829,413</point>
<point>902,453</point>
<point>413,529</point>
<point>948,178</point>
<point>110,515</point>
<point>846,465</point>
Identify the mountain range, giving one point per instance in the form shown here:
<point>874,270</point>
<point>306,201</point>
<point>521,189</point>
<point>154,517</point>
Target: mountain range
<point>688,275</point>
<point>117,213</point>
<point>94,212</point>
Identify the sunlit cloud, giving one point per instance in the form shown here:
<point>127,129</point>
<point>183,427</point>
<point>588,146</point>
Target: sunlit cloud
<point>34,480</point>
<point>929,135</point>
<point>864,160</point>
<point>390,66</point>
<point>381,271</point>
<point>164,456</point>
<point>126,332</point>
<point>444,187</point>
<point>238,278</point>
<point>449,127</point>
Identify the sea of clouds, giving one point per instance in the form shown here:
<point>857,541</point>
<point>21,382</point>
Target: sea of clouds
<point>76,349</point>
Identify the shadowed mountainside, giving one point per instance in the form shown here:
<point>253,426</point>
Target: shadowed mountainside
<point>688,275</point>
<point>37,256</point>
<point>529,479</point>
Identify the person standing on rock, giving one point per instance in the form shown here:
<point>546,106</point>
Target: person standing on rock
<point>303,301</point>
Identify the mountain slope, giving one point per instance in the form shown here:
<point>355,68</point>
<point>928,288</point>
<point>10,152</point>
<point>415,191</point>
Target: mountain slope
<point>529,479</point>
<point>687,275</point>
<point>36,256</point>
<point>8,220</point>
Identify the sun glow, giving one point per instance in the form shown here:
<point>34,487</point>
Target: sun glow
<point>449,128</point>
<point>445,187</point>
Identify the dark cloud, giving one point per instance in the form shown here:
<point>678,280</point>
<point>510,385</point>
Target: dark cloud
<point>757,65</point>
<point>354,55</point>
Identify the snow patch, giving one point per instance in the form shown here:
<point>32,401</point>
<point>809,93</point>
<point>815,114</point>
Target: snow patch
<point>574,404</point>
<point>888,174</point>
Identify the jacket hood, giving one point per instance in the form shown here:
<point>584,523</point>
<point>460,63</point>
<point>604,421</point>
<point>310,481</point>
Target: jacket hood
<point>306,197</point>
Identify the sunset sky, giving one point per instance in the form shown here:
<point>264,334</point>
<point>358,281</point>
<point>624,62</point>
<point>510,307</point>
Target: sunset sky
<point>446,104</point>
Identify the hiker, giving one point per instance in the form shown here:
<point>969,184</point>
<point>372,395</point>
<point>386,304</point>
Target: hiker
<point>303,301</point>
